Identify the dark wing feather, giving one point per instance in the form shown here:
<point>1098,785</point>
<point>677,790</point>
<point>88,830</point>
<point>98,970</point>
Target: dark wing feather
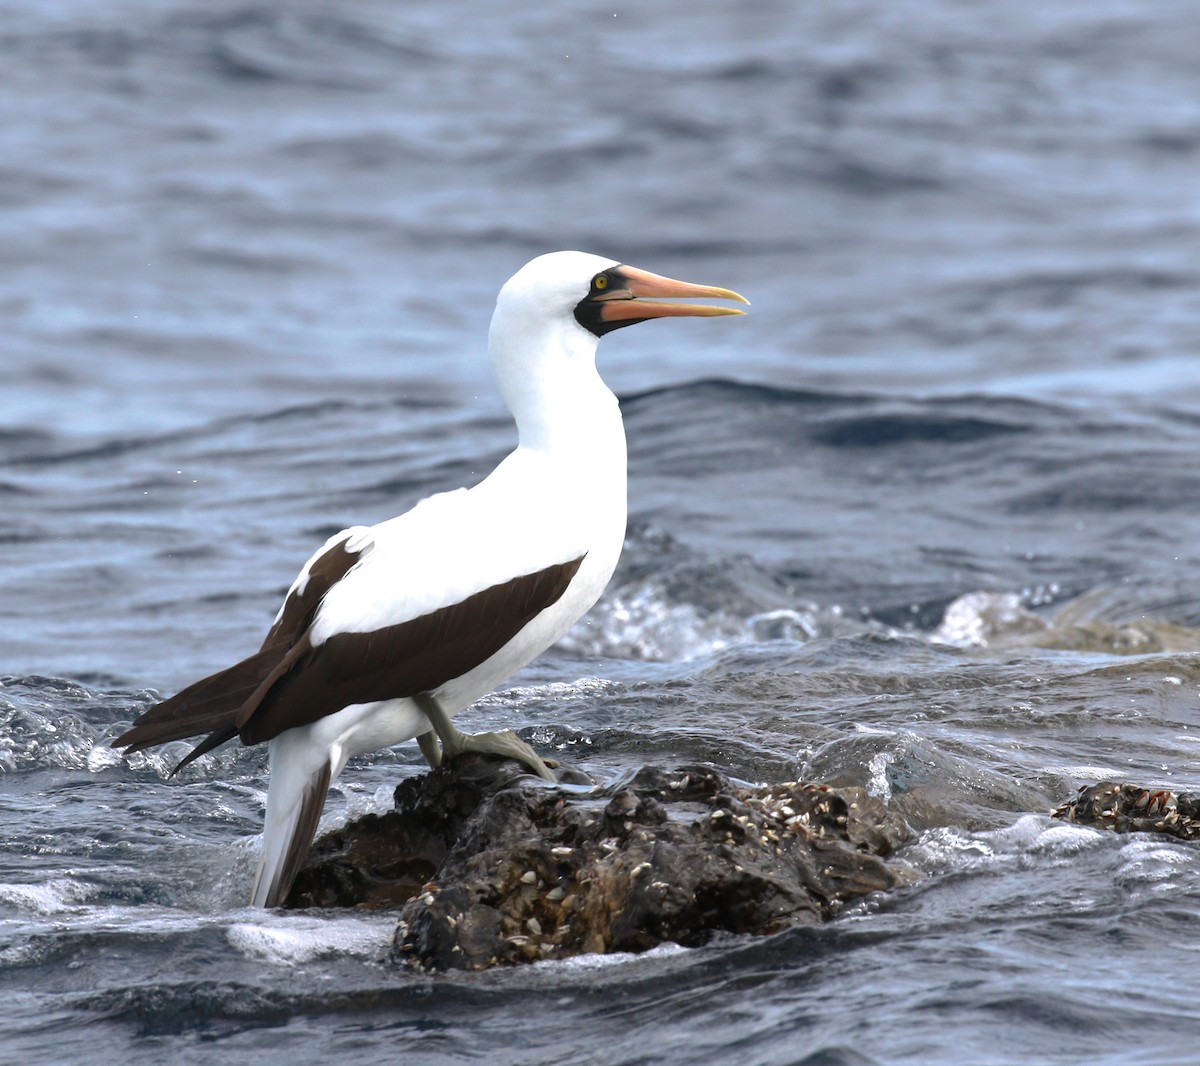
<point>214,740</point>
<point>208,704</point>
<point>325,571</point>
<point>419,655</point>
<point>211,705</point>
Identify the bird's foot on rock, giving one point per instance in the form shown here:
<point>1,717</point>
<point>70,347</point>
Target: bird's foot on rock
<point>454,742</point>
<point>509,746</point>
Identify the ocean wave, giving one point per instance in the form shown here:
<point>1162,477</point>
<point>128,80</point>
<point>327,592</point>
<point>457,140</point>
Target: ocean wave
<point>53,896</point>
<point>1138,865</point>
<point>44,722</point>
<point>1104,619</point>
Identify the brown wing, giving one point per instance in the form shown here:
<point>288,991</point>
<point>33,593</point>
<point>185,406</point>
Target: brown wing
<point>325,571</point>
<point>208,704</point>
<point>419,655</point>
<point>211,705</point>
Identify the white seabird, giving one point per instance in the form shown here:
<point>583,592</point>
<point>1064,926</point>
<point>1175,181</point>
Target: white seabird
<point>391,629</point>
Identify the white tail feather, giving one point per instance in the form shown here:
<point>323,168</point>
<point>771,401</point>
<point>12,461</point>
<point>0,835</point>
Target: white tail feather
<point>300,778</point>
<point>305,761</point>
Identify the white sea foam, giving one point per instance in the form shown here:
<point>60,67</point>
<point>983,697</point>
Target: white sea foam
<point>1031,836</point>
<point>1084,771</point>
<point>297,939</point>
<point>878,784</point>
<point>640,623</point>
<point>947,848</point>
<point>593,961</point>
<point>1063,840</point>
<point>103,756</point>
<point>45,897</point>
<point>977,619</point>
<point>1150,862</point>
<point>520,694</point>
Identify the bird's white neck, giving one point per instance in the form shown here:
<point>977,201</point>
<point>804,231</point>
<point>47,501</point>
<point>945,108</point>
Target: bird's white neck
<point>547,375</point>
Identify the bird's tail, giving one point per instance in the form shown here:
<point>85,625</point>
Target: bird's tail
<point>209,706</point>
<point>300,776</point>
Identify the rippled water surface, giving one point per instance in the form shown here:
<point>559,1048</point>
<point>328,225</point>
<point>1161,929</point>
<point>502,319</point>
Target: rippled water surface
<point>928,520</point>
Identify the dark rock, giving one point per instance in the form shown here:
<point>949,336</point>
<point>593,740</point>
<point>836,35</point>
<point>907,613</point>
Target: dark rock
<point>499,869</point>
<point>381,861</point>
<point>1128,808</point>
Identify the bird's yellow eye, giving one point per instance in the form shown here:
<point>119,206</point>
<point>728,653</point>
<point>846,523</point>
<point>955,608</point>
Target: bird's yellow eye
<point>600,281</point>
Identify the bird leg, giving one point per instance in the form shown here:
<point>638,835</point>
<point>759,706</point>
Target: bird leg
<point>507,744</point>
<point>430,748</point>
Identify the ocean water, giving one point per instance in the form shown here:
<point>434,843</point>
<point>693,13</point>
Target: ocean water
<point>927,520</point>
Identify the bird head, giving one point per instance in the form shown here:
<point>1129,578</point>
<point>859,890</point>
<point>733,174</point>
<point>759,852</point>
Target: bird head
<point>602,294</point>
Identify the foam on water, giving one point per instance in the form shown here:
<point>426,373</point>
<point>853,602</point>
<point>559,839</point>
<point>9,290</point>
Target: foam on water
<point>296,939</point>
<point>1154,864</point>
<point>54,896</point>
<point>590,963</point>
<point>976,619</point>
<point>642,623</point>
<point>1136,865</point>
<point>1030,837</point>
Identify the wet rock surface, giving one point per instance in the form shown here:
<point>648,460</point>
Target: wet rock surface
<point>1126,808</point>
<point>491,867</point>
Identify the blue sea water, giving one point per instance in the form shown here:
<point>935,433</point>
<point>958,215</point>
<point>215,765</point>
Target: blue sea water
<point>927,520</point>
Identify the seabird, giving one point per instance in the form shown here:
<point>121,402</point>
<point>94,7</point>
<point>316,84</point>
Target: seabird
<point>391,629</point>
